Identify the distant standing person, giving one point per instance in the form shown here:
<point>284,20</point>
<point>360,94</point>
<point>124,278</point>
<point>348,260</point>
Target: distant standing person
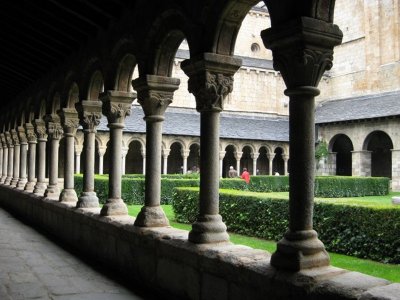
<point>232,172</point>
<point>245,176</point>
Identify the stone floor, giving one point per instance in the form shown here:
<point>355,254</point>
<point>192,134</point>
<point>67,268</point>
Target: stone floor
<point>34,267</point>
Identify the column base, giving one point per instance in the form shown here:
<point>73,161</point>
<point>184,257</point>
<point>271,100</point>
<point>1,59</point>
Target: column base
<point>300,250</point>
<point>7,181</point>
<point>30,186</point>
<point>68,195</point>
<point>52,191</point>
<point>114,207</point>
<point>87,200</point>
<point>2,179</point>
<point>21,184</point>
<point>151,216</point>
<point>208,229</point>
<point>40,188</point>
<point>14,182</point>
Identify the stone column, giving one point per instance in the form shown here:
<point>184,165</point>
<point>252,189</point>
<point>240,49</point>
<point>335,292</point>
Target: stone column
<point>210,81</point>
<point>102,151</point>
<point>70,122</point>
<point>32,141</point>
<point>116,106</point>
<point>254,157</point>
<point>78,151</point>
<point>89,116</point>
<point>123,159</point>
<point>302,50</point>
<point>10,168</point>
<point>165,160</point>
<point>221,163</point>
<point>55,133</point>
<point>395,169</point>
<point>4,158</point>
<point>332,163</point>
<point>40,129</point>
<point>17,157</point>
<point>361,163</point>
<point>1,160</point>
<point>285,158</point>
<point>238,156</point>
<point>185,155</point>
<point>271,157</point>
<point>143,152</point>
<point>23,158</point>
<point>155,93</point>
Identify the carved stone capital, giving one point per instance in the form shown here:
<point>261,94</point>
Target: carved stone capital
<point>40,129</point>
<point>30,133</point>
<point>55,130</point>
<point>117,105</point>
<point>302,49</point>
<point>89,114</point>
<point>3,140</point>
<point>69,120</point>
<point>15,138</point>
<point>211,79</point>
<point>155,93</point>
<point>22,135</point>
<point>9,140</point>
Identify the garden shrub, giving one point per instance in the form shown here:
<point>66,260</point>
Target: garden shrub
<point>366,232</point>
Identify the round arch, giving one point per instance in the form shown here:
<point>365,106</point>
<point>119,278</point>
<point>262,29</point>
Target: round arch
<point>175,159</point>
<point>134,159</point>
<point>342,145</point>
<point>229,160</point>
<point>278,164</point>
<point>380,145</point>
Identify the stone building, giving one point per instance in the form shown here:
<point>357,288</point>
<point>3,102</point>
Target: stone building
<point>69,63</point>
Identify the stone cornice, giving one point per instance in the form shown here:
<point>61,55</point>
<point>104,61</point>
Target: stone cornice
<point>210,79</point>
<point>155,93</point>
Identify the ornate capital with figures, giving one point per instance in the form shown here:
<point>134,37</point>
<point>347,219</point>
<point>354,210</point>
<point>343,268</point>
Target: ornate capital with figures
<point>14,136</point>
<point>69,120</point>
<point>3,140</point>
<point>302,50</point>
<point>117,105</point>
<point>30,133</point>
<point>55,130</point>
<point>22,135</point>
<point>211,79</point>
<point>40,129</point>
<point>89,114</point>
<point>9,140</point>
<point>155,93</point>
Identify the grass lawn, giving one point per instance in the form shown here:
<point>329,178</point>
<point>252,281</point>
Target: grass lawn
<point>387,271</point>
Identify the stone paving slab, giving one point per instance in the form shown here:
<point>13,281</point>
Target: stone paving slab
<point>33,267</point>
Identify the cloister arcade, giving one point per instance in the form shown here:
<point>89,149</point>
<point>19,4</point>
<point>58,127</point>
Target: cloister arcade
<point>96,81</point>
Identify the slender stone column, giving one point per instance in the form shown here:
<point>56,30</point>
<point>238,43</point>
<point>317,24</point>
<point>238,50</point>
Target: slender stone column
<point>23,158</point>
<point>332,163</point>
<point>10,164</point>
<point>17,157</point>
<point>1,160</point>
<point>238,156</point>
<point>165,160</point>
<point>155,93</point>
<point>55,133</point>
<point>221,162</point>
<point>89,117</point>
<point>210,81</point>
<point>41,134</point>
<point>116,106</point>
<point>32,141</point>
<point>78,151</point>
<point>185,155</point>
<point>70,122</point>
<point>395,169</point>
<point>361,163</point>
<point>4,158</point>
<point>123,159</point>
<point>254,157</point>
<point>271,157</point>
<point>302,50</point>
<point>143,152</point>
<point>285,162</point>
<point>102,151</point>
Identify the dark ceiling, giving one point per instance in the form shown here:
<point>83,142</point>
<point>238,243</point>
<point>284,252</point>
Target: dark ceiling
<point>38,35</point>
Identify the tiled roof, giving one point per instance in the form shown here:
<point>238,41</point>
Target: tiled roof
<point>357,108</point>
<point>186,122</point>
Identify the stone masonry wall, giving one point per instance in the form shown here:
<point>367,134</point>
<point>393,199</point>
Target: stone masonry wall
<point>162,259</point>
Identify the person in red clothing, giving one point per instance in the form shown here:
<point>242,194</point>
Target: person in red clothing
<point>245,175</point>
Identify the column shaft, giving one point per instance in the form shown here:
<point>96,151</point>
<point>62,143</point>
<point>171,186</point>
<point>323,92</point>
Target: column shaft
<point>184,164</point>
<point>22,178</point>
<point>77,163</point>
<point>101,163</point>
<point>69,194</point>
<point>10,165</point>
<point>40,186</point>
<point>165,164</point>
<point>17,155</point>
<point>32,167</point>
<point>5,165</point>
<point>115,163</point>
<point>52,188</point>
<point>1,162</point>
<point>153,165</point>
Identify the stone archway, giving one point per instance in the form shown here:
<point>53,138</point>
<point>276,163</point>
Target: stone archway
<point>134,159</point>
<point>380,145</point>
<point>246,161</point>
<point>278,164</point>
<point>263,162</point>
<point>175,159</point>
<point>193,160</point>
<point>229,160</point>
<point>342,146</point>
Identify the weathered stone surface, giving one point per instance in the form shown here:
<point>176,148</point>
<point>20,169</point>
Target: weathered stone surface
<point>387,292</point>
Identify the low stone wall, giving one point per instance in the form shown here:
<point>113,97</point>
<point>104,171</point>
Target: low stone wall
<point>165,261</point>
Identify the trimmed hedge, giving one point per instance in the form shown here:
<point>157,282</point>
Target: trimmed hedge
<point>352,230</point>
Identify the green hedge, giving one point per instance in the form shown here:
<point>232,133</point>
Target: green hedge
<point>346,186</point>
<point>352,230</point>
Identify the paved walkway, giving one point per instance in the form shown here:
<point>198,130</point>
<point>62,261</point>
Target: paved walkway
<point>33,267</point>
